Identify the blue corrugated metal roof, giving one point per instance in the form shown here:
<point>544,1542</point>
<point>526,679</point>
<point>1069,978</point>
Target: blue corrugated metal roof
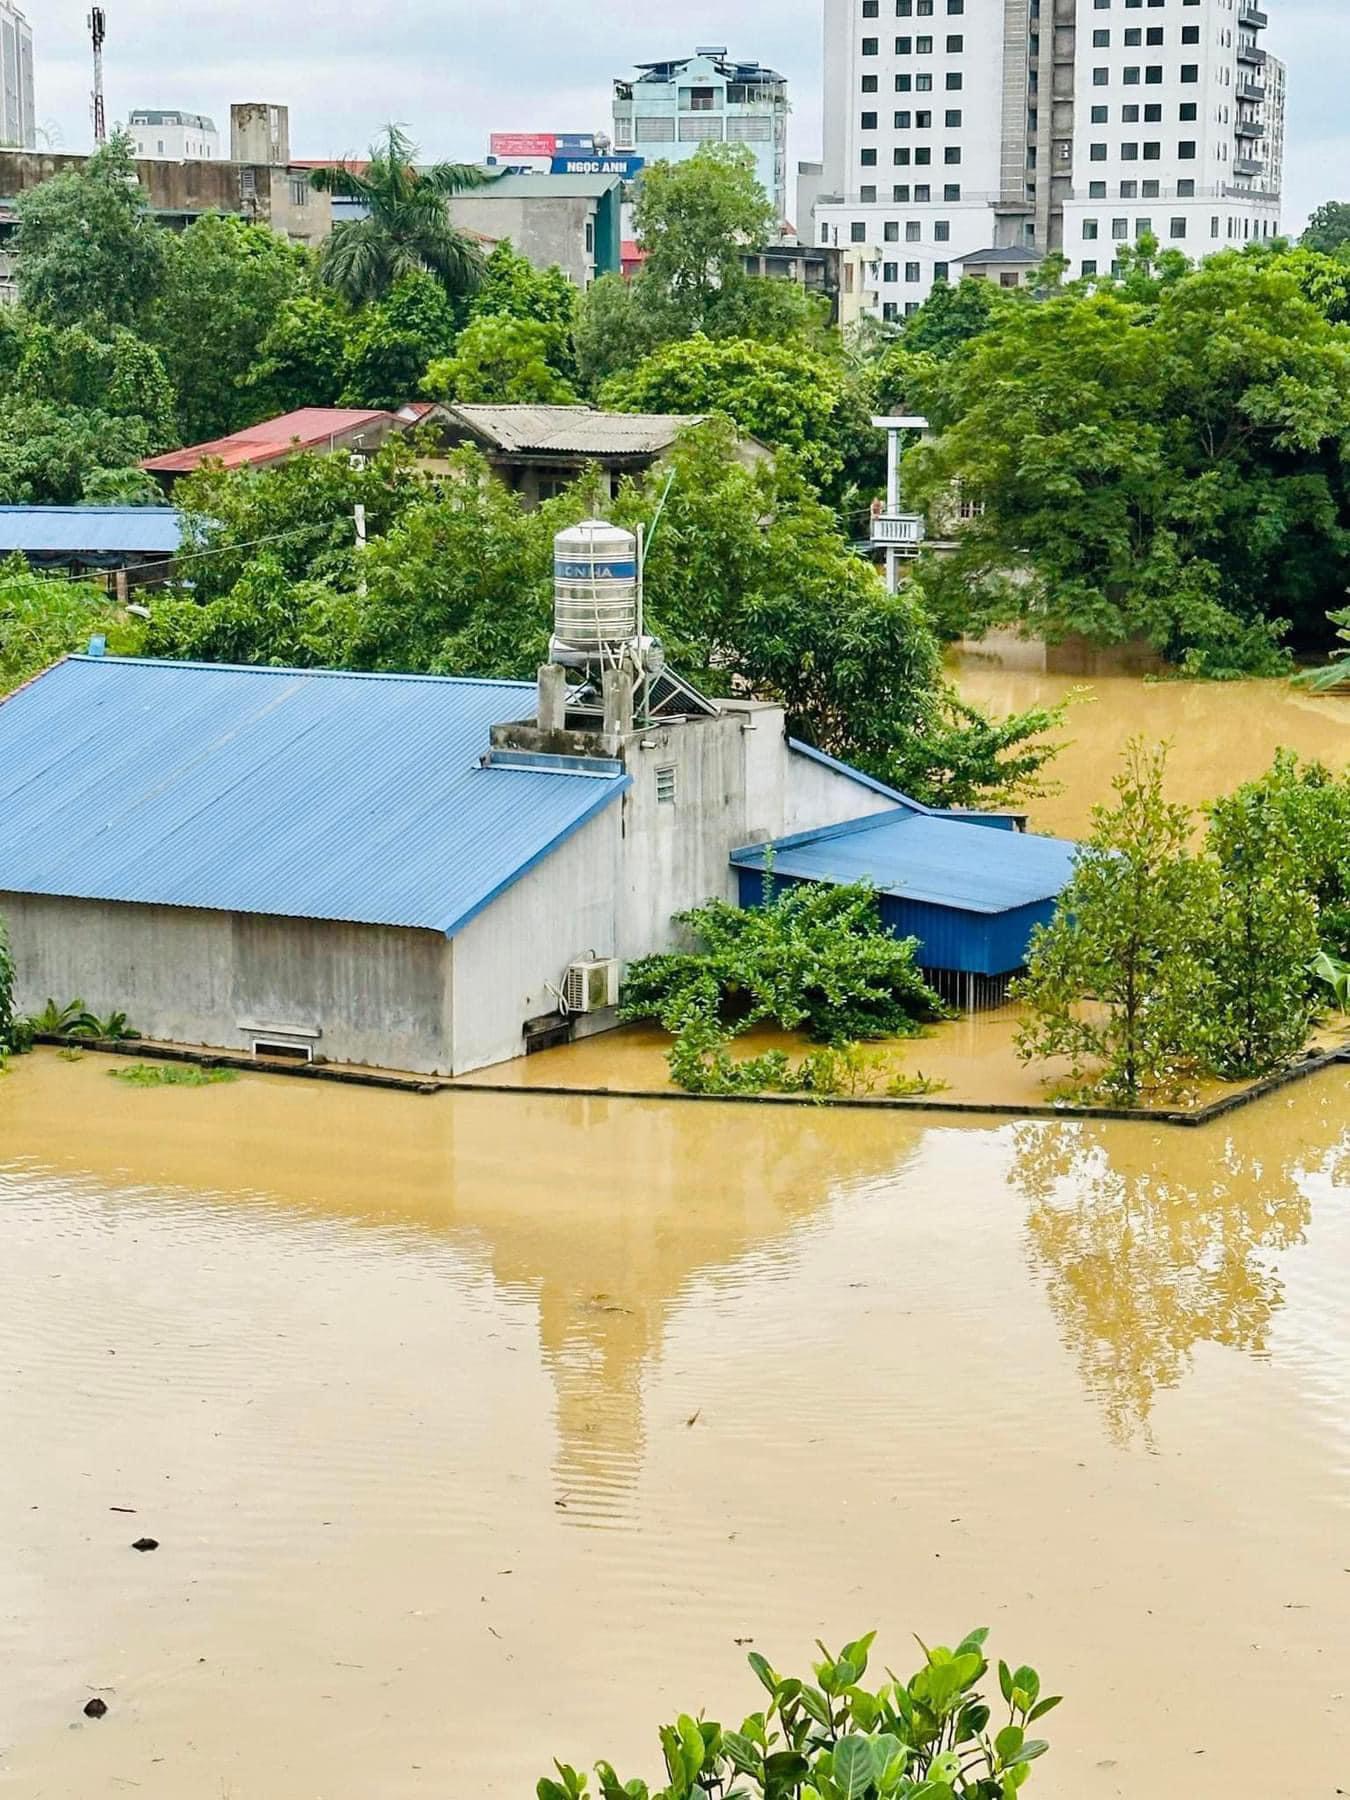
<point>942,862</point>
<point>103,530</point>
<point>304,794</point>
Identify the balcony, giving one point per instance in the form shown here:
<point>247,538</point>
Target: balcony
<point>1247,165</point>
<point>1252,54</point>
<point>1252,15</point>
<point>1247,89</point>
<point>1249,128</point>
<point>904,532</point>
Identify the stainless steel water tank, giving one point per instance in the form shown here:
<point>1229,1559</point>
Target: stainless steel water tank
<point>595,593</point>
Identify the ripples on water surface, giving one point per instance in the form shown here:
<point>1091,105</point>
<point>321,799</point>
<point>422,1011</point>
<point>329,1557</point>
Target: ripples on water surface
<point>478,1428</point>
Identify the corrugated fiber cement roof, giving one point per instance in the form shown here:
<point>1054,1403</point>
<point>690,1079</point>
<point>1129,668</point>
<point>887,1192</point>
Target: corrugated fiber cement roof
<point>940,861</point>
<point>302,794</point>
<point>574,430</point>
<point>102,530</point>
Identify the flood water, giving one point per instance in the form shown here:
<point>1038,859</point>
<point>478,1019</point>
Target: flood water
<point>475,1428</point>
<point>1220,734</point>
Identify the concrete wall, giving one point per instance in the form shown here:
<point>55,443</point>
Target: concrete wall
<point>377,995</point>
<point>545,228</point>
<point>506,958</point>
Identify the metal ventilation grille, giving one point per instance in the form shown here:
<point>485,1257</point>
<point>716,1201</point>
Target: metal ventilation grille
<point>574,990</point>
<point>667,785</point>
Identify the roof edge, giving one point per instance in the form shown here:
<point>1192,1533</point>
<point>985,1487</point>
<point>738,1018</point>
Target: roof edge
<point>852,774</point>
<point>610,792</point>
<point>170,662</point>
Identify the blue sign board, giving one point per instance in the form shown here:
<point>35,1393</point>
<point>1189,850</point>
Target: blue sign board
<point>574,143</point>
<point>626,166</point>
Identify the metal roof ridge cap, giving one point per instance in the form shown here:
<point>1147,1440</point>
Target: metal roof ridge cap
<point>172,662</point>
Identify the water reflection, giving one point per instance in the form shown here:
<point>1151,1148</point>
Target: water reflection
<point>1153,1244</point>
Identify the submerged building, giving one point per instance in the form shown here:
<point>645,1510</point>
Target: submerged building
<point>424,873</point>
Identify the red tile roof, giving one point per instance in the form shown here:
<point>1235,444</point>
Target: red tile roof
<point>311,428</point>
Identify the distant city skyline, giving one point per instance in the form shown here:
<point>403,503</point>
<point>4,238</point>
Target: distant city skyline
<point>454,70</point>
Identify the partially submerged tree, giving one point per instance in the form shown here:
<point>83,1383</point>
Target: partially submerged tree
<point>1118,982</point>
<point>407,229</point>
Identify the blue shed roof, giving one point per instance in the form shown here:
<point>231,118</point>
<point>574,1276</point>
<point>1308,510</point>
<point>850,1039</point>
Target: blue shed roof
<point>303,794</point>
<point>103,530</point>
<point>919,856</point>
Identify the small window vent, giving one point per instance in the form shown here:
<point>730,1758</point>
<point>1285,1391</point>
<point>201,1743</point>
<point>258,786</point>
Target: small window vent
<point>667,785</point>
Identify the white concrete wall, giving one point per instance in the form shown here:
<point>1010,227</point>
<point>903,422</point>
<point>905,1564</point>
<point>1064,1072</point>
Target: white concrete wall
<point>376,995</point>
<point>506,958</point>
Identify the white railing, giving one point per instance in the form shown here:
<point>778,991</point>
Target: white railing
<point>898,530</point>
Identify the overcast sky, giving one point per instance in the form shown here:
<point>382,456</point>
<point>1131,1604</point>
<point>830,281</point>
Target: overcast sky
<point>453,70</point>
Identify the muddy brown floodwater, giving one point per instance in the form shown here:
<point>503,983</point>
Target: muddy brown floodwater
<point>477,1428</point>
<point>1221,734</point>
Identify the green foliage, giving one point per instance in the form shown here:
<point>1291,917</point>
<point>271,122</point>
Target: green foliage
<point>74,1020</point>
<point>500,360</point>
<point>787,397</point>
<point>1162,457</point>
<point>1261,939</point>
<point>115,374</point>
<point>1329,228</point>
<point>694,221</point>
<point>50,454</point>
<point>43,618</point>
<point>1336,673</point>
<point>12,1037</point>
<point>407,230</point>
<point>156,1075</point>
<point>615,330</point>
<point>832,1738</point>
<point>387,354</point>
<point>224,283</point>
<point>88,251</point>
<point>1162,964</point>
<point>811,958</point>
<point>1333,973</point>
<point>513,288</point>
<point>301,360</point>
<point>1117,982</point>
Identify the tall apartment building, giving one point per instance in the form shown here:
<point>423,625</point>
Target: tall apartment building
<point>173,136</point>
<point>670,108</point>
<point>955,127</point>
<point>18,117</point>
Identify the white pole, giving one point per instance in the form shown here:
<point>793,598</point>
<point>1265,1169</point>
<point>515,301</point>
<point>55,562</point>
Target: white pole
<point>892,506</point>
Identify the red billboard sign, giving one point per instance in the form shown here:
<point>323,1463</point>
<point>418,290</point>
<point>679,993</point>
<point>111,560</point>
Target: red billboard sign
<point>523,143</point>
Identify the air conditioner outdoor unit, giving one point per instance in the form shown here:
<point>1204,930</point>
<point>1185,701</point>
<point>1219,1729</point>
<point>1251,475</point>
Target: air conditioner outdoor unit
<point>591,986</point>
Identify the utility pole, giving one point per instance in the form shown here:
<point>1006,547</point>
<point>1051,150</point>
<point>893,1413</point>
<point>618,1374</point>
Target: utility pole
<point>98,31</point>
<point>893,530</point>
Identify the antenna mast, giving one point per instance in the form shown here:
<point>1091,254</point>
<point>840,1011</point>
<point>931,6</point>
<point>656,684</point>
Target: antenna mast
<point>98,31</point>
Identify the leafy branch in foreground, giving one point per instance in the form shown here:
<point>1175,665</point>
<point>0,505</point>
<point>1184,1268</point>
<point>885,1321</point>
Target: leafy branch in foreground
<point>832,1739</point>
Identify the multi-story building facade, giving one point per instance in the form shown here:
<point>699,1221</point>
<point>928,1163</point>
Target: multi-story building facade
<point>173,136</point>
<point>18,117</point>
<point>958,126</point>
<point>670,108</point>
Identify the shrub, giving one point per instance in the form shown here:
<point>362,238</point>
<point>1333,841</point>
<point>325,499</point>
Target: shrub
<point>815,959</point>
<point>832,1739</point>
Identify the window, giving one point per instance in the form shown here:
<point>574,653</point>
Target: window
<point>891,231</point>
<point>942,231</point>
<point>1177,228</point>
<point>869,46</point>
<point>912,272</point>
<point>667,784</point>
<point>1186,150</point>
<point>913,231</point>
<point>940,271</point>
<point>869,121</point>
<point>1089,266</point>
<point>857,232</point>
<point>890,272</point>
<point>1089,229</point>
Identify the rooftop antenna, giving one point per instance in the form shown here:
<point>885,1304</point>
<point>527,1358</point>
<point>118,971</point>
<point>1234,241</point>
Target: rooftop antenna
<point>98,31</point>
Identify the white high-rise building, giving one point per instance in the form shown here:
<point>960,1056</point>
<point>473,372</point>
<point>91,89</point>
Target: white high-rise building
<point>18,118</point>
<point>959,127</point>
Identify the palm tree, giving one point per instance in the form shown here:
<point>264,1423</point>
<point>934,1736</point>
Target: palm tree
<point>407,229</point>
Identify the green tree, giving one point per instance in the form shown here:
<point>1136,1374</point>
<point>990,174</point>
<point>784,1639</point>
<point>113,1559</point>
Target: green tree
<point>614,331</point>
<point>407,230</point>
<point>115,373</point>
<point>224,283</point>
<point>49,453</point>
<point>512,287</point>
<point>788,398</point>
<point>87,251</point>
<point>694,221</point>
<point>1117,982</point>
<point>301,360</point>
<point>1261,940</point>
<point>506,361</point>
<point>1314,804</point>
<point>393,343</point>
<point>1168,467</point>
<point>1329,228</point>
